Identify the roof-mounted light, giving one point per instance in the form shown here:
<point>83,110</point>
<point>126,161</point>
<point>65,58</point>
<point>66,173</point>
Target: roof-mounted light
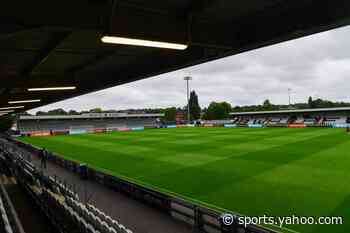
<point>52,88</point>
<point>24,101</point>
<point>5,112</point>
<point>9,108</point>
<point>145,43</point>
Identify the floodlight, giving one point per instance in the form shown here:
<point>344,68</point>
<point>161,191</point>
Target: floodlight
<point>8,108</point>
<point>145,43</point>
<point>52,88</point>
<point>24,101</point>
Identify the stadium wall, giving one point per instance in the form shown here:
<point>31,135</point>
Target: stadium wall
<point>255,125</point>
<point>49,125</point>
<point>230,125</point>
<point>347,125</point>
<point>77,131</point>
<point>203,219</point>
<point>296,126</point>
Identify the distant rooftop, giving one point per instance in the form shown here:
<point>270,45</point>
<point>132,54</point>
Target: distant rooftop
<point>292,111</point>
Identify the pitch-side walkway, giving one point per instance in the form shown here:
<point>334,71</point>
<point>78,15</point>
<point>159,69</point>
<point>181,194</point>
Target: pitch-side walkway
<point>135,215</point>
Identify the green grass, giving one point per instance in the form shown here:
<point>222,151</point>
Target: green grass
<point>273,171</point>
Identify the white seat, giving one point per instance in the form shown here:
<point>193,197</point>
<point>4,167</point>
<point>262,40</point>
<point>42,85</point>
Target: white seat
<point>109,220</point>
<point>116,225</point>
<point>123,229</point>
<point>5,219</point>
<point>89,207</point>
<point>90,216</point>
<point>112,230</point>
<point>105,227</point>
<point>8,229</point>
<point>99,225</point>
<point>90,229</point>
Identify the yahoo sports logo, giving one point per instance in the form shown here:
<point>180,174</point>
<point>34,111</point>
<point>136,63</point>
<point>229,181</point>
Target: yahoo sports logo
<point>227,219</point>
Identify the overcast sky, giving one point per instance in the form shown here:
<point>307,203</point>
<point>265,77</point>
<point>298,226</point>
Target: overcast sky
<point>318,65</point>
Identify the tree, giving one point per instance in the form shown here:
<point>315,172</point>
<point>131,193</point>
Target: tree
<point>195,109</point>
<point>267,105</point>
<point>170,114</point>
<point>58,111</point>
<point>227,107</point>
<point>96,110</point>
<point>24,114</point>
<point>73,112</point>
<point>310,102</point>
<point>218,111</point>
<point>41,113</point>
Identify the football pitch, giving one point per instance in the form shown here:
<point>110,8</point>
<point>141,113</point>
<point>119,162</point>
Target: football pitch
<point>254,172</point>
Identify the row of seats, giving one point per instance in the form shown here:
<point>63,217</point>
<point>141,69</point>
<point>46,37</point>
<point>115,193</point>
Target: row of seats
<point>71,218</point>
<point>5,223</point>
<point>57,209</point>
<point>299,120</point>
<point>99,220</point>
<point>62,204</point>
<point>114,223</point>
<point>80,221</point>
<point>65,190</point>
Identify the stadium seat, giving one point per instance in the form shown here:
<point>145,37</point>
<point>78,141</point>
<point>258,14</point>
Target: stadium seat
<point>69,201</point>
<point>90,229</point>
<point>90,217</point>
<point>100,215</point>
<point>105,227</point>
<point>123,229</point>
<point>112,230</point>
<point>76,216</point>
<point>109,220</point>
<point>92,209</point>
<point>99,225</point>
<point>84,224</point>
<point>84,211</point>
<point>89,207</point>
<point>2,209</point>
<point>95,219</point>
<point>116,226</point>
<point>8,229</point>
<point>103,216</point>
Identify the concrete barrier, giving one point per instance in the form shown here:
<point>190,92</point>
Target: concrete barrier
<point>40,133</point>
<point>138,128</point>
<point>345,125</point>
<point>296,126</point>
<point>230,125</point>
<point>124,129</point>
<point>77,131</point>
<point>255,126</point>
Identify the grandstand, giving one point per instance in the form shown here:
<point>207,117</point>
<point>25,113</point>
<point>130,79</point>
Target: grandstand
<point>316,117</point>
<point>58,44</point>
<point>87,122</point>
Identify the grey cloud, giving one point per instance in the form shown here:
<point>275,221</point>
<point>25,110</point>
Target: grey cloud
<point>317,65</point>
